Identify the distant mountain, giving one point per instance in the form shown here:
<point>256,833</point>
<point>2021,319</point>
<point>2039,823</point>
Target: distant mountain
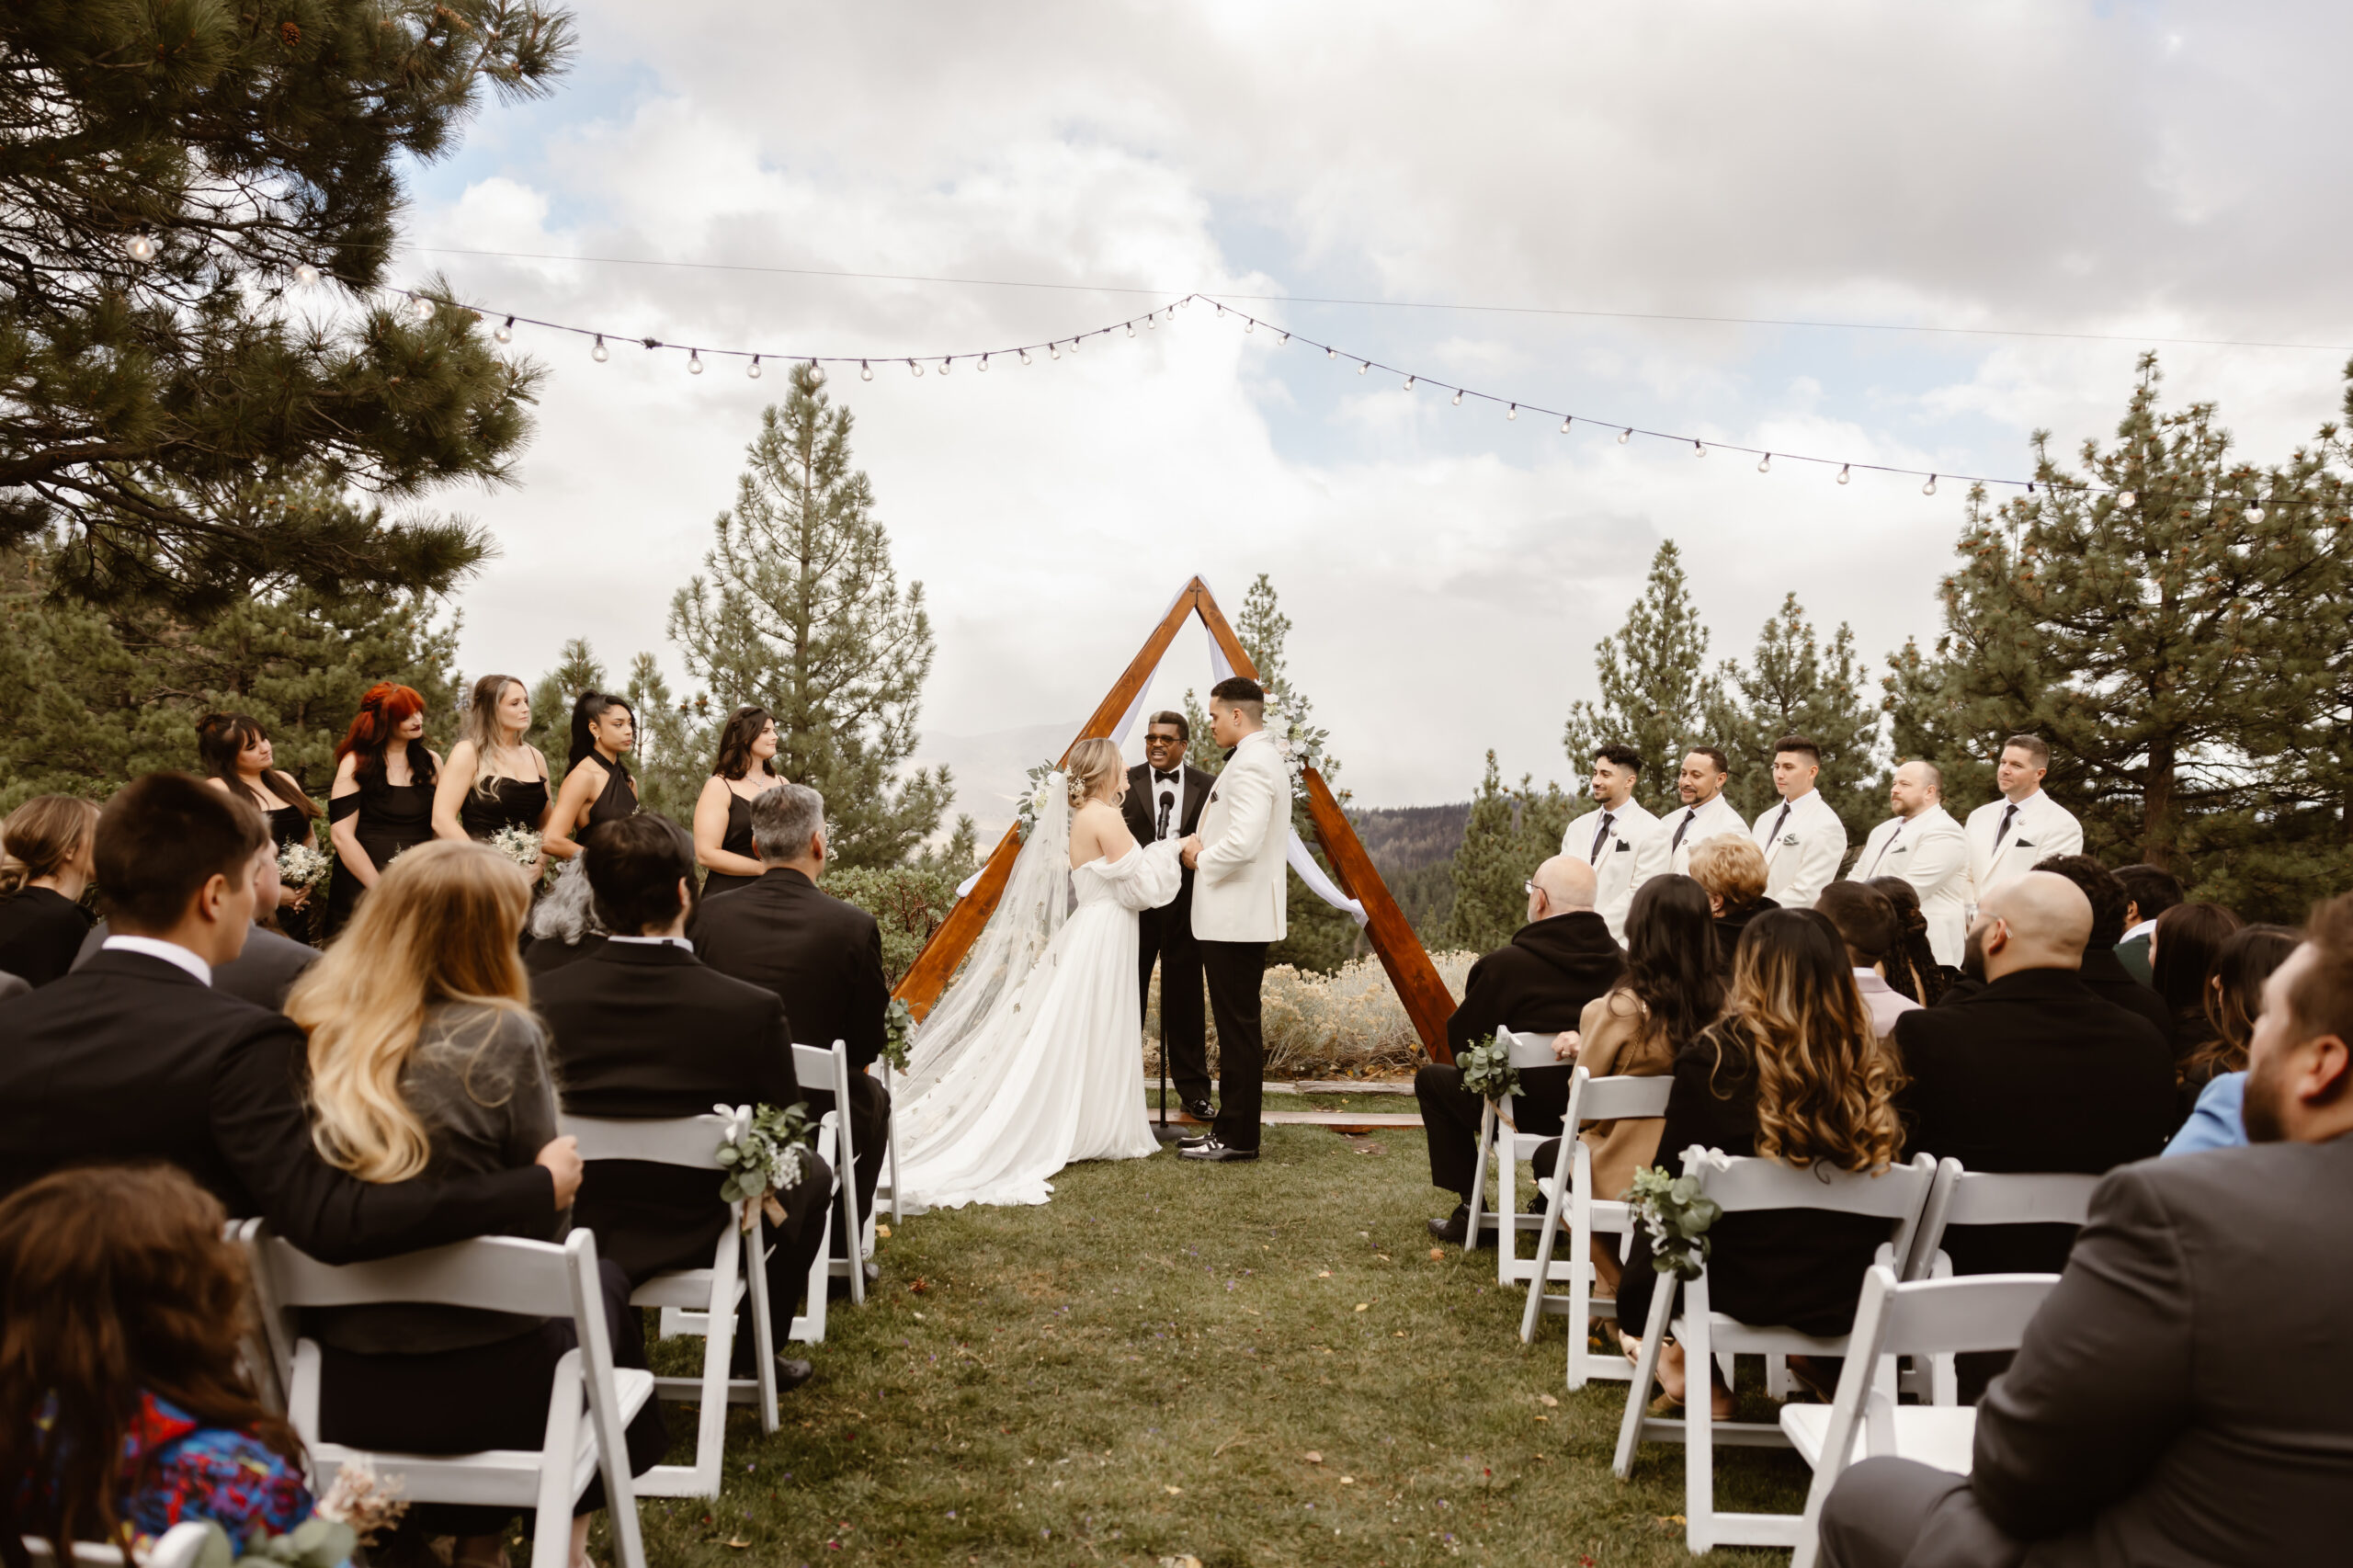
<point>1413,848</point>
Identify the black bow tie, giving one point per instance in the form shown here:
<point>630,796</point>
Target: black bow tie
<point>1168,778</point>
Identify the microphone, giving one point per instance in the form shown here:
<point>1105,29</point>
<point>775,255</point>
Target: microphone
<point>1161,831</point>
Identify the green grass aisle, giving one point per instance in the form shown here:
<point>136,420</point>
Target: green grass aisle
<point>1248,1365</point>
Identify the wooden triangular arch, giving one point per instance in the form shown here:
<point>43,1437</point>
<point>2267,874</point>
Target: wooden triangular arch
<point>1426,1000</point>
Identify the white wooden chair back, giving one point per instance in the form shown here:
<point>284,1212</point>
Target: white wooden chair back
<point>1509,1146</point>
<point>1591,1099</point>
<point>177,1548</point>
<point>693,1143</point>
<point>1746,1185</point>
<point>827,1068</point>
<point>1922,1318</point>
<point>881,1068</point>
<point>498,1274</point>
<point>1963,1196</point>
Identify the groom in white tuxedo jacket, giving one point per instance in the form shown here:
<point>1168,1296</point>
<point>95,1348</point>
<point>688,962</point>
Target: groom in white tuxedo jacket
<point>1240,890</point>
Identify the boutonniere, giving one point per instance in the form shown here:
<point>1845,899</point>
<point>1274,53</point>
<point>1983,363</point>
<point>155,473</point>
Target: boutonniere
<point>1789,839</point>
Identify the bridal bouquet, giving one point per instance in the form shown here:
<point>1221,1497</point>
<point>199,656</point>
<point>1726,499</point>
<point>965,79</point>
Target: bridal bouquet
<point>898,1031</point>
<point>300,864</point>
<point>519,844</point>
<point>1045,780</point>
<point>758,1155</point>
<point>1674,1215</point>
<point>1486,1068</point>
<point>1300,744</point>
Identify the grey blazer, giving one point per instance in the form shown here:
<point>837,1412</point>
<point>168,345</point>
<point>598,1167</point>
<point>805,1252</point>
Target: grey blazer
<point>262,974</point>
<point>2185,1395</point>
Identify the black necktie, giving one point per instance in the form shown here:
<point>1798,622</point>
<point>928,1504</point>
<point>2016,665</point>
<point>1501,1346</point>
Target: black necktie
<point>1777,822</point>
<point>1690,814</point>
<point>1602,836</point>
<point>1887,846</point>
<point>2004,831</point>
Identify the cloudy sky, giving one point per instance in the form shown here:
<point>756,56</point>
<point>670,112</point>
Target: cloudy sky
<point>1506,195</point>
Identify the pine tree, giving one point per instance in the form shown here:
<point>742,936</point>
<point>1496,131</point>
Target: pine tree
<point>677,742</point>
<point>802,614</point>
<point>176,418</point>
<point>578,670</point>
<point>1509,832</point>
<point>1794,686</point>
<point>1654,681</point>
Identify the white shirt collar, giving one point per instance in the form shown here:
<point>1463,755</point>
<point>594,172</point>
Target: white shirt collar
<point>655,942</point>
<point>2145,928</point>
<point>2025,803</point>
<point>1802,799</point>
<point>1253,736</point>
<point>170,952</point>
<point>1870,980</point>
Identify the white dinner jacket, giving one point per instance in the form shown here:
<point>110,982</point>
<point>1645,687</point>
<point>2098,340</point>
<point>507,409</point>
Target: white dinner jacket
<point>1240,887</point>
<point>2042,829</point>
<point>1658,852</point>
<point>1613,867</point>
<point>1801,857</point>
<point>1932,854</point>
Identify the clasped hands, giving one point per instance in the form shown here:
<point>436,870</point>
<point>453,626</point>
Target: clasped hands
<point>1188,851</point>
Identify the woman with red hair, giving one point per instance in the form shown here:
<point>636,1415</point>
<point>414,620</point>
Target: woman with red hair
<point>383,799</point>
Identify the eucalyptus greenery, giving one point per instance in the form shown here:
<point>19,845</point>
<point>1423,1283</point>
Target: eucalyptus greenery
<point>1675,1215</point>
<point>898,1031</point>
<point>1486,1068</point>
<point>759,1154</point>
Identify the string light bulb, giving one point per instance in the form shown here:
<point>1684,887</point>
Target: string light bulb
<point>1565,423</point>
<point>1458,397</point>
<point>1075,342</point>
<point>1698,451</point>
<point>984,364</point>
<point>1131,329</point>
<point>600,353</point>
<point>1409,383</point>
<point>504,331</point>
<point>2126,499</point>
<point>1626,435</point>
<point>1765,464</point>
<point>1929,488</point>
<point>307,275</point>
<point>694,361</point>
<point>1283,341</point>
<point>1053,351</point>
<point>1362,365</point>
<point>1152,322</point>
<point>865,371</point>
<point>1845,472</point>
<point>1512,413</point>
<point>420,307</point>
<point>1331,354</point>
<point>947,364</point>
<point>138,248</point>
<point>753,369</point>
<point>2253,514</point>
<point>1025,356</point>
<point>1249,323</point>
<point>915,368</point>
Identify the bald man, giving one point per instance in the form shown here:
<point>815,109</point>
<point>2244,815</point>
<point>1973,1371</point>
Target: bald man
<point>1923,845</point>
<point>1536,983</point>
<point>2033,1071</point>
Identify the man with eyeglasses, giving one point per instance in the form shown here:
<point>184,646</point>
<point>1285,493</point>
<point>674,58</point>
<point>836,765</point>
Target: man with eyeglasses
<point>1164,798</point>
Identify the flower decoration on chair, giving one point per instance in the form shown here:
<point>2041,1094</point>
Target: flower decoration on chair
<point>302,864</point>
<point>1045,783</point>
<point>898,1033</point>
<point>1675,1215</point>
<point>759,1154</point>
<point>1486,1068</point>
<point>1300,744</point>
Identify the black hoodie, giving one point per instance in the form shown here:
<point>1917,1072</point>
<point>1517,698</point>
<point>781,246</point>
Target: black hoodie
<point>1539,980</point>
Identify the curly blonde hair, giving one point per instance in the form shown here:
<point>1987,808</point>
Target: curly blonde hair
<point>1090,762</point>
<point>1826,1083</point>
<point>1730,866</point>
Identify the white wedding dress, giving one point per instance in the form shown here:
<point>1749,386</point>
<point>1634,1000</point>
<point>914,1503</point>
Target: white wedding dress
<point>1034,1056</point>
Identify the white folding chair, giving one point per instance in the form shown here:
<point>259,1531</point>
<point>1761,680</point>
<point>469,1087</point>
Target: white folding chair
<point>715,1292</point>
<point>498,1274</point>
<point>1746,1186</point>
<point>1591,1099</point>
<point>807,1326</point>
<point>1963,1196</point>
<point>828,1068</point>
<point>179,1547</point>
<point>1501,1137</point>
<point>881,1068</point>
<point>1926,1318</point>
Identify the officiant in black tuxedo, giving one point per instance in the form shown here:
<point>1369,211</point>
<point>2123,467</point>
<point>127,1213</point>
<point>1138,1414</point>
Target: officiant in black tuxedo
<point>1164,798</point>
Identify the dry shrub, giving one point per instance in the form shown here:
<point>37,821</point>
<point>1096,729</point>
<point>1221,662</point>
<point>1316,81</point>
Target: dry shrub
<point>1345,1025</point>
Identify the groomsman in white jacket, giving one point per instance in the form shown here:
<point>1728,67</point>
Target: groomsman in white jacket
<point>1923,845</point>
<point>2009,835</point>
<point>1803,839</point>
<point>1606,838</point>
<point>1705,812</point>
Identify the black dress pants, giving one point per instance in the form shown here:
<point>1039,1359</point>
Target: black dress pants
<point>1166,936</point>
<point>869,1131</point>
<point>1888,1512</point>
<point>792,1250</point>
<point>1451,1114</point>
<point>1235,970</point>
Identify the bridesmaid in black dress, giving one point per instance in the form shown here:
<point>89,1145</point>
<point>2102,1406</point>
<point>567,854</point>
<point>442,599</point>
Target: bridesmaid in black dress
<point>45,863</point>
<point>383,799</point>
<point>493,780</point>
<point>596,783</point>
<point>747,770</point>
<point>238,761</point>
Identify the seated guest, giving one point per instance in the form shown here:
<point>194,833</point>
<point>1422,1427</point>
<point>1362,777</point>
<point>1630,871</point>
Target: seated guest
<point>121,1307</point>
<point>565,927</point>
<point>643,1029</point>
<point>2033,1072</point>
<point>2182,950</point>
<point>2149,891</point>
<point>1539,982</point>
<point>1792,1072</point>
<point>44,867</point>
<point>1866,922</point>
<point>270,963</point>
<point>135,1057</point>
<point>822,957</point>
<point>1732,870</point>
<point>2186,1393</point>
<point>1671,991</point>
<point>2210,1076</point>
<point>1911,968</point>
<point>2102,970</point>
<point>425,1060</point>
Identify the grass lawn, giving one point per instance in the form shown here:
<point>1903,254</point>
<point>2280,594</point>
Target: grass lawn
<point>1247,1365</point>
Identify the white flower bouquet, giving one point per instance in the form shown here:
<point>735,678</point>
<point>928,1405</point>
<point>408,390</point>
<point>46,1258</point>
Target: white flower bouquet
<point>519,844</point>
<point>300,864</point>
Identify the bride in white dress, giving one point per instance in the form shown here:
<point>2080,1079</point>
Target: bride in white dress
<point>1034,1056</point>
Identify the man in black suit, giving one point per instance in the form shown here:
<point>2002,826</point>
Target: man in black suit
<point>1538,983</point>
<point>822,957</point>
<point>1165,796</point>
<point>269,965</point>
<point>2185,1396</point>
<point>135,1056</point>
<point>645,1031</point>
<point>2034,1072</point>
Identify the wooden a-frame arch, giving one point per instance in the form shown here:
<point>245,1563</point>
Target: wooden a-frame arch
<point>1427,1002</point>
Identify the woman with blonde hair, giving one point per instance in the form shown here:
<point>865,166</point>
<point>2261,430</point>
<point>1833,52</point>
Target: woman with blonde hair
<point>1732,870</point>
<point>425,1060</point>
<point>1792,1072</point>
<point>1033,1058</point>
<point>45,866</point>
<point>492,780</point>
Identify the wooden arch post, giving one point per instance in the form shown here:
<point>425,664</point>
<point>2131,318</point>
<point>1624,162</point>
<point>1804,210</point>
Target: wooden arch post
<point>1427,1002</point>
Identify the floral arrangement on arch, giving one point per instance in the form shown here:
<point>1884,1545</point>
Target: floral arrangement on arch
<point>1045,783</point>
<point>1300,744</point>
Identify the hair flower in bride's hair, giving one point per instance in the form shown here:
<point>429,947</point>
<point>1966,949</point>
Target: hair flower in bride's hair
<point>1045,782</point>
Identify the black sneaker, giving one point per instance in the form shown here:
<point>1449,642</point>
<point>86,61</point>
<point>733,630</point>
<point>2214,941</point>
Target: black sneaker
<point>1211,1149</point>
